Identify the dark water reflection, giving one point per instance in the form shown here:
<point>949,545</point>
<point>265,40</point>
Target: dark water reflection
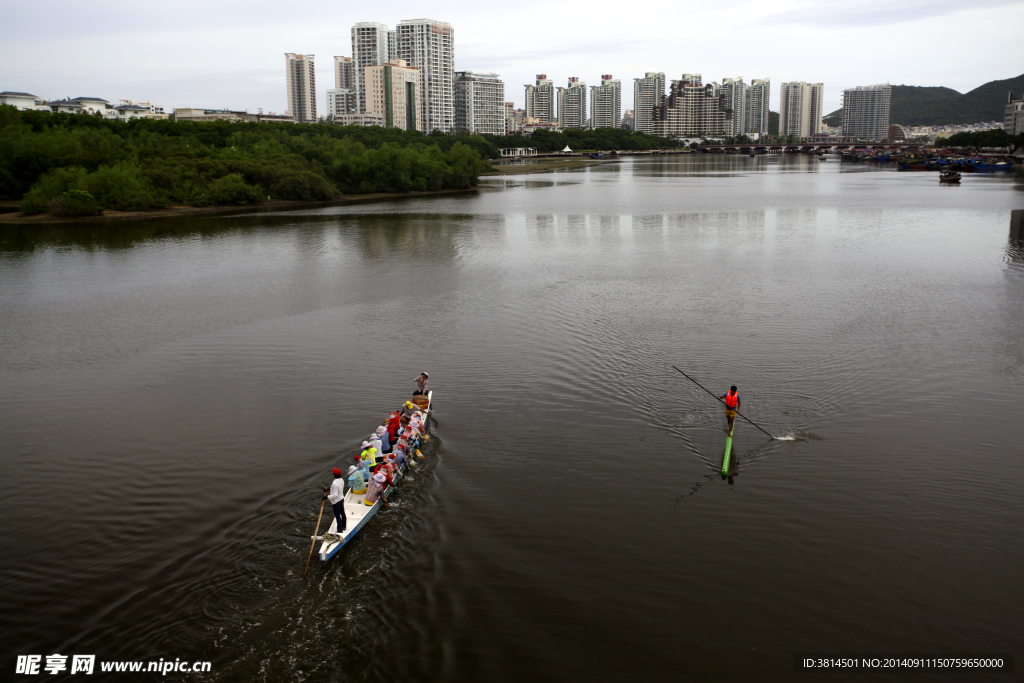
<point>174,393</point>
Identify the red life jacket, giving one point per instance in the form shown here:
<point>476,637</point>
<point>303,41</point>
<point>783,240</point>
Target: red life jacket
<point>732,399</point>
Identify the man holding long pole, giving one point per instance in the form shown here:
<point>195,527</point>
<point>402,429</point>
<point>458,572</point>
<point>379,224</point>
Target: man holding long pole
<point>337,498</point>
<point>732,404</point>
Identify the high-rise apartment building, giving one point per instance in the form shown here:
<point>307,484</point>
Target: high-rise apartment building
<point>341,101</point>
<point>628,120</point>
<point>1013,115</point>
<point>479,103</point>
<point>606,103</point>
<point>690,110</point>
<point>429,46</point>
<point>572,104</point>
<point>756,112</point>
<point>369,48</point>
<point>800,109</point>
<point>344,73</point>
<point>300,72</point>
<point>510,117</point>
<point>540,100</point>
<point>736,93</point>
<point>392,91</point>
<point>866,111</point>
<point>647,94</point>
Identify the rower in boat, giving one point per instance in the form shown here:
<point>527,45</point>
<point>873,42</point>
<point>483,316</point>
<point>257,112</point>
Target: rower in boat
<point>382,435</point>
<point>376,487</point>
<point>362,466</point>
<point>368,454</point>
<point>356,480</point>
<point>393,426</point>
<point>732,404</point>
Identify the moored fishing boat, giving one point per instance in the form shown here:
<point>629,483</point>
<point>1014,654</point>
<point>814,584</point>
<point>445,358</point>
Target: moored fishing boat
<point>357,512</point>
<point>949,177</point>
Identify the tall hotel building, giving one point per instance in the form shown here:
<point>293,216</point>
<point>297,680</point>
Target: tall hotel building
<point>300,73</point>
<point>344,73</point>
<point>479,103</point>
<point>800,109</point>
<point>369,48</point>
<point>690,110</point>
<point>866,111</point>
<point>756,112</point>
<point>429,46</point>
<point>647,94</point>
<point>572,104</point>
<point>736,93</point>
<point>392,92</point>
<point>540,100</point>
<point>606,103</point>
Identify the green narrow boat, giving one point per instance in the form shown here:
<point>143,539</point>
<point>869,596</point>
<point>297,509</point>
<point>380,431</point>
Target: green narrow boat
<point>728,450</point>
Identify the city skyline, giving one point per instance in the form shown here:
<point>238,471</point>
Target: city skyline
<point>174,67</point>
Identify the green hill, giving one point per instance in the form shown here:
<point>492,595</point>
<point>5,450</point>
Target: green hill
<point>914,105</point>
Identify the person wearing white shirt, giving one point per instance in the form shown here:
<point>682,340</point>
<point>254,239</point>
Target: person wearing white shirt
<point>337,498</point>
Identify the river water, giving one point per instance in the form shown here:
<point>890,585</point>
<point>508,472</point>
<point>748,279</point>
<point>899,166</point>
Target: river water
<point>174,393</point>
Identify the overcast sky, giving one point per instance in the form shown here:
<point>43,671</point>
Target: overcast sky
<point>213,54</point>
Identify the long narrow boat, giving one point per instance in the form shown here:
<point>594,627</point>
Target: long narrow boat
<point>728,451</point>
<point>358,513</point>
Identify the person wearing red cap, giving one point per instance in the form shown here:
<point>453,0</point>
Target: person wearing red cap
<point>337,498</point>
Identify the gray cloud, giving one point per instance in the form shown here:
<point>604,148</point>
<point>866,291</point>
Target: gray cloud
<point>843,14</point>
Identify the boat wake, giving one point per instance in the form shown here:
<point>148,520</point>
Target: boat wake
<point>788,437</point>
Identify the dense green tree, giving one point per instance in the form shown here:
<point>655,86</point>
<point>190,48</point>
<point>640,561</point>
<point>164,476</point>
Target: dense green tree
<point>584,139</point>
<point>145,163</point>
<point>995,137</point>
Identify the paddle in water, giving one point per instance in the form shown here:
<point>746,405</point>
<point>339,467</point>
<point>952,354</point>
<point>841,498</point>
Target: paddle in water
<point>313,544</point>
<point>717,398</point>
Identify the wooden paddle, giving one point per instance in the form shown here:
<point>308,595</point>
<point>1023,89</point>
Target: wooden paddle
<point>313,544</point>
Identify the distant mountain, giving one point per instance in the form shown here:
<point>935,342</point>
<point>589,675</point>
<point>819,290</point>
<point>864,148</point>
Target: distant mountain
<point>914,105</point>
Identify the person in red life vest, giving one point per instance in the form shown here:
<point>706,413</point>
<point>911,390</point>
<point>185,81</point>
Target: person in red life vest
<point>732,404</point>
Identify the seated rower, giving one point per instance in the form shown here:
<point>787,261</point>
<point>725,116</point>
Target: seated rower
<point>394,426</point>
<point>386,471</point>
<point>378,447</point>
<point>408,409</point>
<point>356,480</point>
<point>362,466</point>
<point>375,488</point>
<point>385,439</point>
<point>422,385</point>
<point>369,453</point>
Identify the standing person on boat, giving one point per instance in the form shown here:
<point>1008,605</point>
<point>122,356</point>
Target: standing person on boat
<point>337,498</point>
<point>422,384</point>
<point>732,404</point>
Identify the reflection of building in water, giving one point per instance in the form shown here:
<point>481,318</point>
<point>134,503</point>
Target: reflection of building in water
<point>419,236</point>
<point>1017,224</point>
<point>649,226</point>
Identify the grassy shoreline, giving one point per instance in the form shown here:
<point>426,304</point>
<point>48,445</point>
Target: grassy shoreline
<point>541,165</point>
<point>266,206</point>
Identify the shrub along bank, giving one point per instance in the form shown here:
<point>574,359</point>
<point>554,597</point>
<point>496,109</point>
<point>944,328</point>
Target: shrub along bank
<point>579,139</point>
<point>76,163</point>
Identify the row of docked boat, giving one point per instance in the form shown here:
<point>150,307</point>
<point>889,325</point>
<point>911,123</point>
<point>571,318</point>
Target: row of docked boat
<point>358,510</point>
<point>923,161</point>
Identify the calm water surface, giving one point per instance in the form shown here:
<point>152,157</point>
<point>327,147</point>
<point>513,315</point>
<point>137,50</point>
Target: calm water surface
<point>174,394</point>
